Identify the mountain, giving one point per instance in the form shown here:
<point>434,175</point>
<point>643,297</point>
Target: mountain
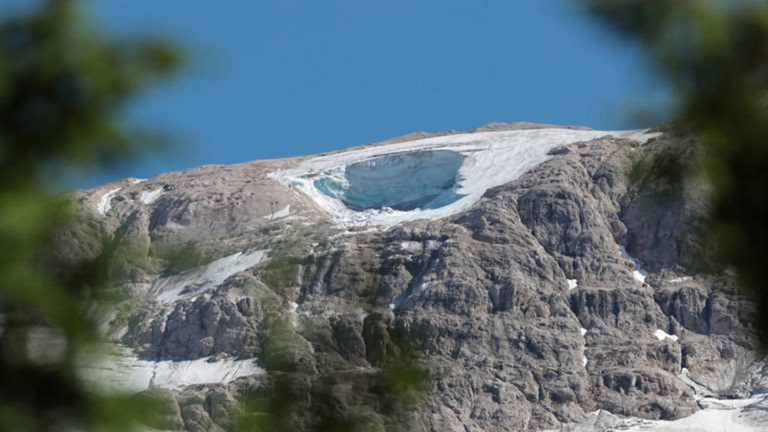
<point>515,277</point>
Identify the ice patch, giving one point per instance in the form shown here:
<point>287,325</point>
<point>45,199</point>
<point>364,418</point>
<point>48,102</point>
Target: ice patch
<point>293,307</point>
<point>706,420</point>
<point>749,416</point>
<point>196,281</point>
<point>583,331</point>
<point>716,415</point>
<point>584,361</point>
<point>639,273</point>
<point>285,211</point>
<point>410,292</point>
<point>410,246</point>
<point>150,197</point>
<point>572,284</point>
<point>123,372</point>
<point>680,279</point>
<point>700,391</point>
<point>661,335</point>
<point>429,178</point>
<point>105,204</point>
<point>418,247</point>
<point>404,181</point>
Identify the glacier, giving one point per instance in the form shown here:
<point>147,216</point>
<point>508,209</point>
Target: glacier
<point>403,181</point>
<point>427,178</point>
<point>122,371</point>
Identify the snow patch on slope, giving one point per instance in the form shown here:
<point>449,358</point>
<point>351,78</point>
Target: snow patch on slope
<point>680,279</point>
<point>428,178</point>
<point>121,371</point>
<point>716,415</point>
<point>639,273</point>
<point>284,212</point>
<point>661,335</point>
<point>105,204</point>
<point>196,281</point>
<point>738,415</point>
<point>150,197</point>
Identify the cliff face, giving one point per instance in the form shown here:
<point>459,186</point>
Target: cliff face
<point>537,275</point>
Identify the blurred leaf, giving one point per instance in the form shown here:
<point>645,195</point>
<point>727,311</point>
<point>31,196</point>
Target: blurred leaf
<point>715,56</point>
<point>63,86</point>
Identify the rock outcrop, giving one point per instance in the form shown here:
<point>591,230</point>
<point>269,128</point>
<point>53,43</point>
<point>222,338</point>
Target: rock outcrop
<point>520,311</point>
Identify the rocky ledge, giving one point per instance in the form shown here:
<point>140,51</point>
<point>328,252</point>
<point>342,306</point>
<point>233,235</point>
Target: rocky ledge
<point>533,276</point>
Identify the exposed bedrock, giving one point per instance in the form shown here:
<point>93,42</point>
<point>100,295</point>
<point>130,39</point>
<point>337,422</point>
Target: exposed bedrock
<point>521,308</point>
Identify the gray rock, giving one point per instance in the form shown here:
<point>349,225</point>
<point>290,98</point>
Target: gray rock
<point>481,296</point>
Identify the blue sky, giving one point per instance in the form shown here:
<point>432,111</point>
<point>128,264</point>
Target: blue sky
<point>277,78</point>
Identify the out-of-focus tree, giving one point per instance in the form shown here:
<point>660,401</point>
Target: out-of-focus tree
<point>63,86</point>
<point>714,55</point>
<point>384,397</point>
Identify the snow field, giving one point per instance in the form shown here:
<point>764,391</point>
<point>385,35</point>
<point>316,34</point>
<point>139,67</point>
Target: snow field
<point>121,371</point>
<point>105,204</point>
<point>196,281</point>
<point>436,186</point>
<point>151,196</point>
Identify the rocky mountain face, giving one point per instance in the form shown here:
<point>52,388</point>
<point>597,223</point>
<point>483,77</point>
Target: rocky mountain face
<point>531,275</point>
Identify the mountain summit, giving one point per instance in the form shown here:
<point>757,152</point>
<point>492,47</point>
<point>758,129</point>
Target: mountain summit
<point>542,277</point>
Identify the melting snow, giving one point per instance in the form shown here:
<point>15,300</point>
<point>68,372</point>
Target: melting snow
<point>285,211</point>
<point>410,246</point>
<point>639,273</point>
<point>410,292</point>
<point>150,197</point>
<point>293,307</point>
<point>122,371</point>
<point>584,361</point>
<point>661,335</point>
<point>680,279</point>
<point>700,391</point>
<point>583,331</point>
<point>201,279</point>
<point>105,204</point>
<point>716,415</point>
<point>745,415</point>
<point>572,284</point>
<point>705,420</point>
<point>439,176</point>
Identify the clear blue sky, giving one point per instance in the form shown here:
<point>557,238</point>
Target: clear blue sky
<point>276,78</point>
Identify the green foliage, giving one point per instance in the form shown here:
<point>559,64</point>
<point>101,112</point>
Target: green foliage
<point>715,56</point>
<point>62,88</point>
<point>301,395</point>
<point>182,258</point>
<point>281,272</point>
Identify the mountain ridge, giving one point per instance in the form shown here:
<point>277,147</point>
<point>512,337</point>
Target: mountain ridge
<point>520,304</point>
